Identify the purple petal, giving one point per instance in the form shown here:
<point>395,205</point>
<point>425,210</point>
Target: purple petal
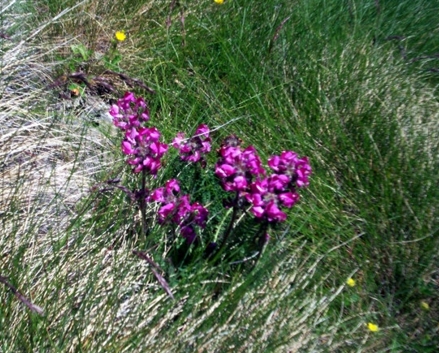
<point>178,140</point>
<point>224,170</point>
<point>289,199</point>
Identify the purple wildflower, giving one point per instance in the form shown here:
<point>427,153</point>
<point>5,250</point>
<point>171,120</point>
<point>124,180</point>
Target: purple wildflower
<point>178,210</point>
<point>289,163</point>
<point>167,193</point>
<point>144,148</point>
<point>269,195</point>
<point>237,168</point>
<point>129,112</point>
<point>194,148</point>
<point>167,196</point>
<point>188,216</point>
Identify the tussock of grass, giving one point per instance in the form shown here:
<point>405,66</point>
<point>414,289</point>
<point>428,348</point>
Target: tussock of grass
<point>326,82</point>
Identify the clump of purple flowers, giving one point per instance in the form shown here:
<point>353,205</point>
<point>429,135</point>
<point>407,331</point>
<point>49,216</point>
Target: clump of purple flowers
<point>295,168</point>
<point>144,149</point>
<point>141,143</point>
<point>194,148</point>
<point>236,168</point>
<point>241,171</point>
<point>178,210</point>
<point>129,112</point>
<point>266,193</point>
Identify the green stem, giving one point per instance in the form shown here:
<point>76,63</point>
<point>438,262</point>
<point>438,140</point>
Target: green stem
<point>229,228</point>
<point>143,203</point>
<point>262,241</point>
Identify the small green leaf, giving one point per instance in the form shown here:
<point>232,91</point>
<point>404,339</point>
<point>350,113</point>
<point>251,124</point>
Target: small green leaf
<point>80,49</point>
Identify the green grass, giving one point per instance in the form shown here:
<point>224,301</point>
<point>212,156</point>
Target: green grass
<point>350,84</point>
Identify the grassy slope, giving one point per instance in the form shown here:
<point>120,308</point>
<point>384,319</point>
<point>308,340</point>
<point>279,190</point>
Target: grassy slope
<point>332,86</point>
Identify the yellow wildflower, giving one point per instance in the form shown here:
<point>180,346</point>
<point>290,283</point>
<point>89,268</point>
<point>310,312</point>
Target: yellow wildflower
<point>425,306</point>
<point>372,327</point>
<point>120,36</point>
<point>219,2</point>
<point>350,282</point>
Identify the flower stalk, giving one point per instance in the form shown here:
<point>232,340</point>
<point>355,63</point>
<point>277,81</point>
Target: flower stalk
<point>143,204</point>
<point>230,226</point>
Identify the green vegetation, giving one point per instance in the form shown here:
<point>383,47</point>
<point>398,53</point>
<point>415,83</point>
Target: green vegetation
<point>350,84</point>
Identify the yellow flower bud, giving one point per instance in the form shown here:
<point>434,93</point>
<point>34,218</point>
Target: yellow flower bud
<point>350,282</point>
<point>120,36</point>
<point>372,327</point>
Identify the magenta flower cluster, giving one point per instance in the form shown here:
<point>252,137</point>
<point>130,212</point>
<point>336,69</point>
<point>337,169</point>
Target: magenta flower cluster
<point>295,168</point>
<point>279,189</point>
<point>178,210</point>
<point>236,167</point>
<point>195,148</point>
<point>241,171</point>
<point>141,144</point>
<point>144,149</point>
<point>129,112</point>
